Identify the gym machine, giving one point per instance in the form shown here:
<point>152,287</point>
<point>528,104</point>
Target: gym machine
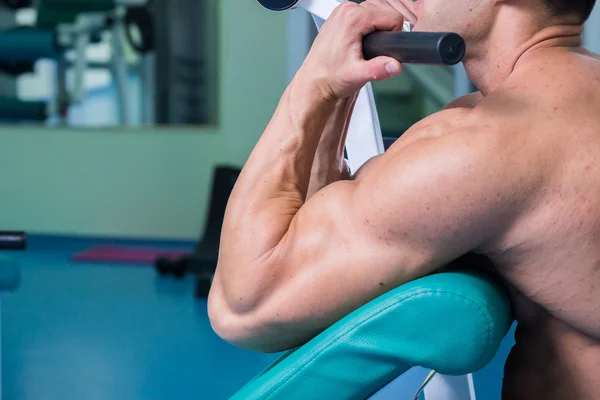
<point>10,274</point>
<point>62,32</point>
<point>13,240</point>
<point>79,24</point>
<point>203,261</point>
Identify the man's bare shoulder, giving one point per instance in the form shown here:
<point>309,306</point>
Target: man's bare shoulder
<point>554,76</point>
<point>552,82</point>
<point>483,136</point>
<point>484,117</point>
<point>467,101</point>
<point>483,145</point>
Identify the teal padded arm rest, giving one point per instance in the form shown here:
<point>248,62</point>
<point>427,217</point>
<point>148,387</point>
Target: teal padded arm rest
<point>451,322</point>
<point>10,274</point>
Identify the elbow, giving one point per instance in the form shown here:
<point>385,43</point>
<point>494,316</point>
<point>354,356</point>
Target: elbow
<point>229,324</point>
<point>244,329</point>
<point>246,314</point>
<point>230,328</point>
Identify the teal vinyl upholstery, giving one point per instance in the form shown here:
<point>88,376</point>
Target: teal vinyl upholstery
<point>10,274</point>
<point>451,322</point>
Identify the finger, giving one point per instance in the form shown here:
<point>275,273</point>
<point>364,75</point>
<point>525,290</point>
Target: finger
<point>377,69</point>
<point>381,20</point>
<point>375,4</point>
<point>395,5</point>
<point>407,10</point>
<point>358,19</point>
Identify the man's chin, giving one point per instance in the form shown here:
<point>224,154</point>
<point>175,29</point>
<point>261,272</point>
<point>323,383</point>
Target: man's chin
<point>419,27</point>
<point>422,26</point>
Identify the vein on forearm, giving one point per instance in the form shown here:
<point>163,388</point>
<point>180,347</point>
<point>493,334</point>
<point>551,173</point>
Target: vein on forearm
<point>274,182</point>
<point>329,165</point>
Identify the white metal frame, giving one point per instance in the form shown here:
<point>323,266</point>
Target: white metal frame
<point>364,142</point>
<point>119,66</point>
<point>78,36</point>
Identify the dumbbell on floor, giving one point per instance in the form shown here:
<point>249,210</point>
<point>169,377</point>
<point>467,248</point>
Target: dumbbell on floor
<point>13,240</point>
<point>166,266</point>
<point>186,265</point>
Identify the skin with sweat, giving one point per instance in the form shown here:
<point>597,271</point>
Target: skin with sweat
<point>510,174</point>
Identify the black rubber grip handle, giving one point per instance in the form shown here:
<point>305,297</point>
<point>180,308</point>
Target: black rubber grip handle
<point>435,48</point>
<point>10,240</point>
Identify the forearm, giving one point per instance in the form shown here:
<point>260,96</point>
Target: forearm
<point>329,165</point>
<point>272,187</point>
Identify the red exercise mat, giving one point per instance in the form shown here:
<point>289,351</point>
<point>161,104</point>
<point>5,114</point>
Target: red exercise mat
<point>125,255</point>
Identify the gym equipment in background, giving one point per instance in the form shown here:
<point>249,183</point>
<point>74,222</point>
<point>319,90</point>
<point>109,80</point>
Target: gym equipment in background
<point>16,4</point>
<point>139,28</point>
<point>177,69</point>
<point>78,24</point>
<point>20,49</point>
<point>27,44</point>
<point>15,69</point>
<point>53,13</point>
<point>125,255</point>
<point>186,65</point>
<point>62,32</point>
<point>10,272</point>
<point>23,110</point>
<point>13,240</point>
<point>203,261</point>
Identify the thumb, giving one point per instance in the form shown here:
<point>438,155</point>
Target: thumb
<point>380,68</point>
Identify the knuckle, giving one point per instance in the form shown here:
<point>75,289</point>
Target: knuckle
<point>397,19</point>
<point>351,13</point>
<point>346,8</point>
<point>398,16</point>
<point>368,4</point>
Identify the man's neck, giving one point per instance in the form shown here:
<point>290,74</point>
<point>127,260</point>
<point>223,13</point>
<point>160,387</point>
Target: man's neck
<point>490,62</point>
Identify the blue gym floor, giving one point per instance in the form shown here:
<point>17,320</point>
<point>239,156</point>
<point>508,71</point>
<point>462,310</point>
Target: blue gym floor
<point>108,332</point>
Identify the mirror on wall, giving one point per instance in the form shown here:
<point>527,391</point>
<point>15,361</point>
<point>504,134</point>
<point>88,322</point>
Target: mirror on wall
<point>102,63</point>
